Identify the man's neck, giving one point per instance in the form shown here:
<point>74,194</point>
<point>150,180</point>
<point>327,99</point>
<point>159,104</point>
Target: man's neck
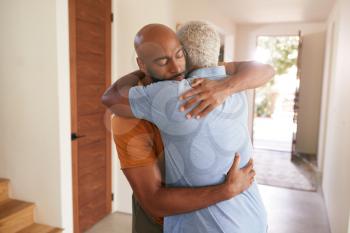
<point>147,80</point>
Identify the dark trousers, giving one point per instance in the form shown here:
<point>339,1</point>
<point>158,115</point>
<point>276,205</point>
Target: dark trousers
<point>141,222</point>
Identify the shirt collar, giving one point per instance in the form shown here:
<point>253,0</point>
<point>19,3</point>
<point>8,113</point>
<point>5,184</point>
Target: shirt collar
<point>208,72</point>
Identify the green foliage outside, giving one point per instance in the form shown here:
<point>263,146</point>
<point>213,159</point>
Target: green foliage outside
<point>283,54</point>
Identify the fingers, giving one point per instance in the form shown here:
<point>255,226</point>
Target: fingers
<point>196,89</point>
<point>252,173</point>
<point>197,82</point>
<point>248,167</point>
<point>235,166</point>
<point>206,111</point>
<point>198,109</point>
<point>236,161</point>
<point>190,93</point>
<point>192,102</point>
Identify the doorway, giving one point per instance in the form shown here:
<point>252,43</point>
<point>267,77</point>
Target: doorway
<point>276,107</point>
<point>90,74</point>
<point>274,102</point>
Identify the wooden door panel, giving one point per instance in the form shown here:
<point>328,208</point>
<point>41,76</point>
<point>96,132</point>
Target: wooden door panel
<point>91,213</point>
<point>91,123</point>
<point>91,11</point>
<point>92,185</point>
<point>93,162</point>
<point>90,37</point>
<point>99,162</point>
<point>86,89</point>
<point>90,57</point>
<point>92,127</point>
<point>90,69</point>
<point>89,99</point>
<point>91,139</point>
<point>296,100</point>
<point>90,105</point>
<point>90,155</point>
<point>90,196</point>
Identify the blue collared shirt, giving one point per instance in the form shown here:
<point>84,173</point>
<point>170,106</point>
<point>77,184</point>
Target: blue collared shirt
<point>199,152</point>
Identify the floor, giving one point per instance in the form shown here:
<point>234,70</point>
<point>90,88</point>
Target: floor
<point>275,168</point>
<point>293,211</point>
<point>113,223</point>
<point>289,211</point>
<point>274,133</point>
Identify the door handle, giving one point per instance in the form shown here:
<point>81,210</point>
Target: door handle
<point>74,136</point>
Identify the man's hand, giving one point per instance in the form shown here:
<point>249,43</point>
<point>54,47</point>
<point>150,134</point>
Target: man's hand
<point>239,179</point>
<point>208,94</point>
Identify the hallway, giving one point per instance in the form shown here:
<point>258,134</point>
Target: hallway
<point>40,135</point>
<point>289,211</point>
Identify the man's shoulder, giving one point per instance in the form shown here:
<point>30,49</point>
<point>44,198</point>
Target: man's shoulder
<point>165,89</point>
<point>123,126</point>
<point>138,142</point>
<point>213,72</point>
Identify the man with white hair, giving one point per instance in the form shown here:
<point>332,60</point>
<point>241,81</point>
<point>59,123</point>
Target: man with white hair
<point>198,151</point>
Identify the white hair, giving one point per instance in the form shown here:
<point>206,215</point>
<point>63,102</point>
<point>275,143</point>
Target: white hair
<point>201,42</point>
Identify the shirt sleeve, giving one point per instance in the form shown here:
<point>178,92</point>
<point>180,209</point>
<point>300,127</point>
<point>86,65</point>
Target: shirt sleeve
<point>140,102</point>
<point>155,102</point>
<point>136,142</point>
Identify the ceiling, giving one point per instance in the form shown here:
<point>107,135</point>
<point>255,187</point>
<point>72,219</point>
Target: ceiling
<point>272,11</point>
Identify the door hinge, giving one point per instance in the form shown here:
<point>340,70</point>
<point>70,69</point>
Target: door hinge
<point>112,196</point>
<point>112,17</point>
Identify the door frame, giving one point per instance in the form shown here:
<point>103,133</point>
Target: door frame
<point>74,114</point>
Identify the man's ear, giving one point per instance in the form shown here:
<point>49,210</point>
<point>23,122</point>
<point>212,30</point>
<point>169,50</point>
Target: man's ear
<point>141,65</point>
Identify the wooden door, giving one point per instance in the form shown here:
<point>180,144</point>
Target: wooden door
<point>294,152</point>
<point>90,63</point>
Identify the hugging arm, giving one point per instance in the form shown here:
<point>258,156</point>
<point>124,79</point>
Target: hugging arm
<point>160,201</point>
<point>209,94</point>
<point>143,166</point>
<point>247,75</point>
<point>116,97</point>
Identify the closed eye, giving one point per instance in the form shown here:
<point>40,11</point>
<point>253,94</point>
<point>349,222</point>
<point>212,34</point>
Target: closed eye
<point>180,53</point>
<point>162,61</point>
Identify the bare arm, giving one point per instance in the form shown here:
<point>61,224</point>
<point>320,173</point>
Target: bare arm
<point>159,201</point>
<point>247,75</point>
<point>116,96</point>
<point>209,94</point>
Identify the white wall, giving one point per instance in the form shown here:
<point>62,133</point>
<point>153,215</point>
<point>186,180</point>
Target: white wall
<point>229,48</point>
<point>64,116</point>
<point>35,119</point>
<point>130,16</point>
<point>246,35</point>
<point>183,11</point>
<point>335,122</point>
<point>312,63</point>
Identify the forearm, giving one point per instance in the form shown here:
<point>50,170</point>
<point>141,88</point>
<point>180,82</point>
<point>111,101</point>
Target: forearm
<point>247,75</point>
<point>116,96</point>
<point>171,201</point>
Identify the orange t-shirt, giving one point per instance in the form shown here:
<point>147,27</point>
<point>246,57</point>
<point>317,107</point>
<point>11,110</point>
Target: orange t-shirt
<point>138,144</point>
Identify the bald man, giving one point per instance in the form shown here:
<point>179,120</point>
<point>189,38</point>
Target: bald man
<point>160,57</point>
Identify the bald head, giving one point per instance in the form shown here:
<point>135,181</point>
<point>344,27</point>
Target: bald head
<point>159,53</point>
<point>153,36</point>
